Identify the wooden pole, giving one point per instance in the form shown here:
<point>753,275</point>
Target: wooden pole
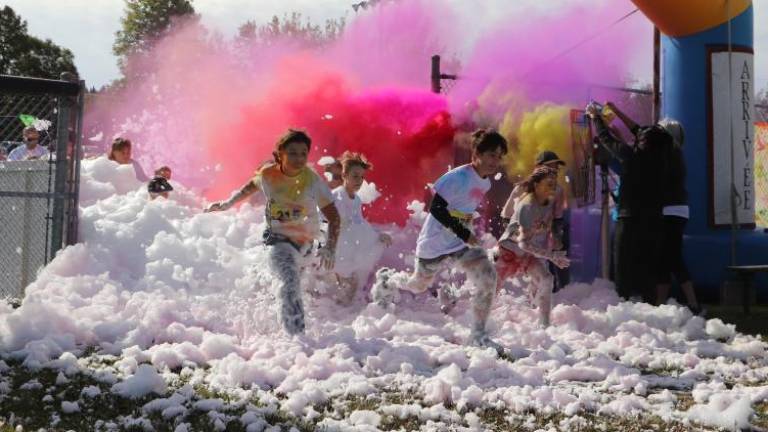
<point>656,74</point>
<point>435,77</point>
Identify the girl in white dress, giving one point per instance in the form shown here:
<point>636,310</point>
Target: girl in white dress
<point>360,246</point>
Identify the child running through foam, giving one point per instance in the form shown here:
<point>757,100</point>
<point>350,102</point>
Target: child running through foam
<point>446,238</point>
<point>294,193</point>
<point>527,243</point>
<point>359,246</point>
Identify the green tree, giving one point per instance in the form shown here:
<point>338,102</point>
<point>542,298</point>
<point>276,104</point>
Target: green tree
<point>292,27</point>
<point>26,55</point>
<point>145,22</point>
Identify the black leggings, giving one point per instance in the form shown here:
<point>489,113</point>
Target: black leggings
<point>671,262</point>
<point>636,251</point>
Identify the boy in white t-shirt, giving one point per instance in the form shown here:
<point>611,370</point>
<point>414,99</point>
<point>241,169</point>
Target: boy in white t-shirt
<point>446,238</point>
<point>359,246</point>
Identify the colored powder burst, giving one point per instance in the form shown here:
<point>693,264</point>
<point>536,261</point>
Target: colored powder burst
<point>546,127</point>
<point>213,109</point>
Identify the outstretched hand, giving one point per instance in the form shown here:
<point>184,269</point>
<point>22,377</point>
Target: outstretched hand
<point>327,257</point>
<point>217,206</point>
<point>561,260</point>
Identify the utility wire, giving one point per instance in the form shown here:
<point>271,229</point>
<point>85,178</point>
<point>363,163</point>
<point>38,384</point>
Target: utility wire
<point>583,41</point>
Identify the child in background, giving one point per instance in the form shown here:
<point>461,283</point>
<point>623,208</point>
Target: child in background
<point>527,243</point>
<point>334,171</point>
<point>359,246</point>
<point>294,194</point>
<point>122,153</point>
<point>159,185</point>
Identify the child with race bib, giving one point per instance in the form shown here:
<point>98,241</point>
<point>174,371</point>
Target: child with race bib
<point>294,193</point>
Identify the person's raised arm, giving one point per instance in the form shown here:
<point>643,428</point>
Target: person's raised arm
<point>615,146</point>
<point>244,192</point>
<point>628,122</point>
<point>509,207</point>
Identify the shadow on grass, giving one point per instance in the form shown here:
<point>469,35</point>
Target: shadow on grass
<point>755,323</point>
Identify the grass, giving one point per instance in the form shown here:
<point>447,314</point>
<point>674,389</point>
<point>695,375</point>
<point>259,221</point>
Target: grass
<point>25,407</point>
<point>27,410</point>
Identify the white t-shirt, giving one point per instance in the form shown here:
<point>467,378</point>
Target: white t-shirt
<point>681,211</point>
<point>464,190</point>
<point>358,249</point>
<point>350,209</point>
<point>21,153</point>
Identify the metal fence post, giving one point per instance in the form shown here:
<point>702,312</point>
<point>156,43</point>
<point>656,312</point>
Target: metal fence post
<point>60,185</point>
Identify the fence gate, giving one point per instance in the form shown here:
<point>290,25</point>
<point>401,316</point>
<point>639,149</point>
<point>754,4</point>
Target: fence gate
<point>38,198</point>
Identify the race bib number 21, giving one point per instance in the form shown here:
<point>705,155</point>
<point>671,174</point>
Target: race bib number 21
<point>286,213</point>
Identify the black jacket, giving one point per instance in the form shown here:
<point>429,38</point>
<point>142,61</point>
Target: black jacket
<point>644,174</point>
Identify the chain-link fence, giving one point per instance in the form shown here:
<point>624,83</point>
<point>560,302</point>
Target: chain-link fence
<point>761,166</point>
<point>38,183</point>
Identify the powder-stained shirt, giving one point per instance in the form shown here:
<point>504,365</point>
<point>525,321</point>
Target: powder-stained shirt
<point>293,202</point>
<point>533,220</point>
<point>464,190</point>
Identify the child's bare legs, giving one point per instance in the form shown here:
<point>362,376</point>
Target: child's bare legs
<point>542,283</point>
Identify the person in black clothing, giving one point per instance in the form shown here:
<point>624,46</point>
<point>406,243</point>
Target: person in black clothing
<point>159,185</point>
<point>675,215</point>
<point>642,182</point>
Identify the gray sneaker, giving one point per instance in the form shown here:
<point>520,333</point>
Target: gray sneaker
<point>384,293</point>
<point>447,299</point>
<point>482,340</point>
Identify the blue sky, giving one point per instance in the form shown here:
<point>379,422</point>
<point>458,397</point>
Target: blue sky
<point>87,27</point>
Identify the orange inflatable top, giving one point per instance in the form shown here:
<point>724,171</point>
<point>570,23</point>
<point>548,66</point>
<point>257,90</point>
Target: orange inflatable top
<point>686,17</point>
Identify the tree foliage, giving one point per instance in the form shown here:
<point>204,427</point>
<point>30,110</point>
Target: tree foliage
<point>145,22</point>
<point>26,55</point>
<point>292,27</point>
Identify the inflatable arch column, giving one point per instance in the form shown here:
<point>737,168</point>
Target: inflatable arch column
<point>716,107</point>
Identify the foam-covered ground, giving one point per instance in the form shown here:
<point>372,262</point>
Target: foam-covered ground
<point>169,290</point>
